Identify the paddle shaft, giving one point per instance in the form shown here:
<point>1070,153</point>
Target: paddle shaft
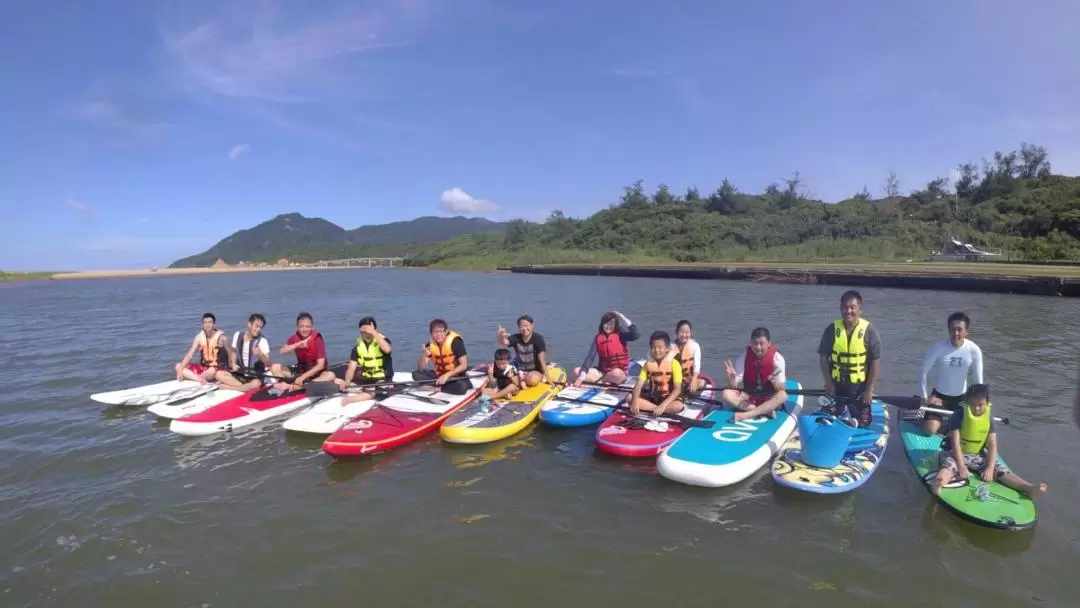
<point>911,403</point>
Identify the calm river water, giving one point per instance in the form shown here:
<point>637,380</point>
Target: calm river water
<point>104,506</point>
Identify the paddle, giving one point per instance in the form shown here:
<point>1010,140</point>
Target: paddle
<point>903,403</point>
<point>322,388</point>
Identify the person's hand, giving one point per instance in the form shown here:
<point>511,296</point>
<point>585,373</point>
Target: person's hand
<point>501,331</point>
<point>729,371</point>
<point>367,330</point>
<point>179,371</point>
<point>988,473</point>
<point>634,409</point>
<point>962,471</point>
<point>935,401</point>
<point>441,380</point>
<point>866,396</point>
<point>830,388</point>
<point>303,343</point>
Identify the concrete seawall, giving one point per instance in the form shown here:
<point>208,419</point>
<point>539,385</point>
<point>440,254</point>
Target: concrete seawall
<point>1014,280</point>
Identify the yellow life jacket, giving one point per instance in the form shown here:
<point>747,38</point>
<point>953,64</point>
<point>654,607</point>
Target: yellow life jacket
<point>209,348</point>
<point>443,357</point>
<point>849,354</point>
<point>974,430</point>
<point>660,375</point>
<point>370,359</point>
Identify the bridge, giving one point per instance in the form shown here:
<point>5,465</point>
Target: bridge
<point>358,262</point>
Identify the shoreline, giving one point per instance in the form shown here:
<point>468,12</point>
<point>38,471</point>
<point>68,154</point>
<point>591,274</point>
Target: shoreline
<point>970,276</point>
<point>166,272</point>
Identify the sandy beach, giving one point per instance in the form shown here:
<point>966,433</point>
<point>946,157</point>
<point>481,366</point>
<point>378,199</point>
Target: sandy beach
<point>168,272</point>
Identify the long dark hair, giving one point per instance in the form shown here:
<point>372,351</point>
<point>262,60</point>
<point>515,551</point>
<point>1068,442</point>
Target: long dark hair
<point>608,316</point>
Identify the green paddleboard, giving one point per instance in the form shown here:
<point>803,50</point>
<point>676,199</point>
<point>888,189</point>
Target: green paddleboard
<point>1005,508</point>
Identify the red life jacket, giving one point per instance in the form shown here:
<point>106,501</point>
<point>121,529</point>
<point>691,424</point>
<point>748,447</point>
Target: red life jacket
<point>305,357</point>
<point>612,353</point>
<point>756,371</point>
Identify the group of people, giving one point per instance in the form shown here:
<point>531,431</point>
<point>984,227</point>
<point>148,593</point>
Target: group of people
<point>849,357</point>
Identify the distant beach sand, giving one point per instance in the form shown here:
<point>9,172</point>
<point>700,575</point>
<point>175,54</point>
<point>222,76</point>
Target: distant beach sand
<point>168,272</point>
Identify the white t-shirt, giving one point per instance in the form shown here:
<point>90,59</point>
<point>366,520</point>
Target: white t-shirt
<point>779,372</point>
<point>954,366</point>
<point>245,358</point>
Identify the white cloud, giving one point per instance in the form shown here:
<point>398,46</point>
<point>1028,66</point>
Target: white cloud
<point>238,150</point>
<point>77,206</point>
<point>456,200</point>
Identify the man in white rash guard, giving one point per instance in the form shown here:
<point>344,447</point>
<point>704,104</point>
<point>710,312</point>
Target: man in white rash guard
<point>956,360</point>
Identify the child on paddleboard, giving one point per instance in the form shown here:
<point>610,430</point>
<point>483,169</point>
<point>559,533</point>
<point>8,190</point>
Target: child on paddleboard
<point>971,440</point>
<point>659,385</point>
<point>503,379</point>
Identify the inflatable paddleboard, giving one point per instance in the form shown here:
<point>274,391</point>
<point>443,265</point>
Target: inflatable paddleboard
<point>618,435</point>
<point>485,421</point>
<point>183,407</point>
<point>244,410</point>
<point>866,449</point>
<point>399,419</point>
<point>172,390</point>
<point>999,506</point>
<point>729,452</point>
<point>327,416</point>
<point>586,405</point>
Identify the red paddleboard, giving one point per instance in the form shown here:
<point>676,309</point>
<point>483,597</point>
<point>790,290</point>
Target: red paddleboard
<point>615,436</point>
<point>244,410</point>
<point>399,419</point>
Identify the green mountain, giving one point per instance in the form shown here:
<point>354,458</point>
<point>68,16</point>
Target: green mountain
<point>299,238</point>
<point>1012,204</point>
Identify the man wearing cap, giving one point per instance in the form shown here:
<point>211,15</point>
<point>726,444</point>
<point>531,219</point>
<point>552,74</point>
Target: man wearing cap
<point>369,360</point>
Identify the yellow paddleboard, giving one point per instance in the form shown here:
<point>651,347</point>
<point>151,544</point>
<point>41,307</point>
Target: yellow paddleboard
<point>504,417</point>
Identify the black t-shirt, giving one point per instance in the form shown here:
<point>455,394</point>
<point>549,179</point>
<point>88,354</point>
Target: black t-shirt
<point>528,352</point>
<point>388,359</point>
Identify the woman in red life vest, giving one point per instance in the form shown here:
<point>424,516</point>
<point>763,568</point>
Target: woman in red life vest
<point>609,351</point>
<point>310,350</point>
<point>755,383</point>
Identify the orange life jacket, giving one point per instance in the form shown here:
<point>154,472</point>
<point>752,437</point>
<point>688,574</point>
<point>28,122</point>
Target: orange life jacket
<point>686,359</point>
<point>660,375</point>
<point>209,347</point>
<point>443,356</point>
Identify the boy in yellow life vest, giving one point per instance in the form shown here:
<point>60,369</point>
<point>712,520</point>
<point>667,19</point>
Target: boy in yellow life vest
<point>370,362</point>
<point>972,443</point>
<point>659,385</point>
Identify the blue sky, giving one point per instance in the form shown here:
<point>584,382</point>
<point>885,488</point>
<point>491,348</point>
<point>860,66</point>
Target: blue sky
<point>137,132</point>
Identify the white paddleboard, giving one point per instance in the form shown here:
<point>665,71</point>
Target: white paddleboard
<point>150,394</point>
<point>325,417</point>
<point>183,407</point>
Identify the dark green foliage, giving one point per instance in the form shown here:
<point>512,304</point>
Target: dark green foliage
<point>304,239</point>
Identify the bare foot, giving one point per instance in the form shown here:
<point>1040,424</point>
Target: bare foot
<point>1034,491</point>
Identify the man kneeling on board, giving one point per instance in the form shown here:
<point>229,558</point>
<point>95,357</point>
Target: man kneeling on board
<point>659,385</point>
<point>972,444</point>
<point>371,358</point>
<point>756,382</point>
<point>504,380</point>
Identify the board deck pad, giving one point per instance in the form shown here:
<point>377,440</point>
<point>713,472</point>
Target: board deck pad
<point>867,447</point>
<point>1005,508</point>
